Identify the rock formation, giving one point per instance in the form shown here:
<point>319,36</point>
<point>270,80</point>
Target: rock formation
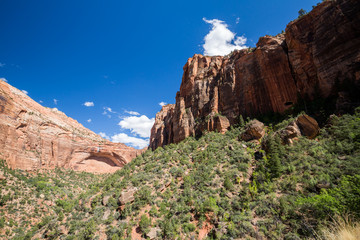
<point>127,196</point>
<point>254,130</point>
<point>318,56</point>
<point>34,137</point>
<point>308,126</point>
<point>303,125</point>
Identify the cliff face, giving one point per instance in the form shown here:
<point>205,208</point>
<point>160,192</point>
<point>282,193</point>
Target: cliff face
<point>324,49</point>
<point>318,56</point>
<point>34,137</point>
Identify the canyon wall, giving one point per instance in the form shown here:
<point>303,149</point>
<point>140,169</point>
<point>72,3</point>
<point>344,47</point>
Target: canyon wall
<point>318,56</point>
<point>34,137</point>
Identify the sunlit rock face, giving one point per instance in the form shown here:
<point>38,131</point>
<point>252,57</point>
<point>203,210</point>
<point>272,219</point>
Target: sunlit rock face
<point>34,137</point>
<point>318,56</point>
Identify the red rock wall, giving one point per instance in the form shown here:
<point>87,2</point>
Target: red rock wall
<point>324,48</point>
<point>34,137</point>
<point>318,56</point>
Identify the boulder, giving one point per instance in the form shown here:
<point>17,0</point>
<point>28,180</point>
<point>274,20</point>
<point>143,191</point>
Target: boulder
<point>290,132</point>
<point>221,124</point>
<point>153,233</point>
<point>105,200</point>
<point>308,126</point>
<point>127,196</point>
<point>304,125</point>
<point>254,130</point>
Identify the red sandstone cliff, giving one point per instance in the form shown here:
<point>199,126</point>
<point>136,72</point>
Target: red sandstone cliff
<point>34,137</point>
<point>318,56</point>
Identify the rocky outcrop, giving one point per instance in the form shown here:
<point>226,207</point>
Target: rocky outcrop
<point>161,132</point>
<point>127,196</point>
<point>290,132</point>
<point>254,130</point>
<point>34,137</point>
<point>308,126</point>
<point>304,125</point>
<point>317,57</point>
<point>153,233</point>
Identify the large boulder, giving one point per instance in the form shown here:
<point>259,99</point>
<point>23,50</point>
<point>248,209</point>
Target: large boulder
<point>105,200</point>
<point>127,196</point>
<point>290,132</point>
<point>308,126</point>
<point>254,130</point>
<point>153,233</point>
<point>304,125</point>
<point>221,124</point>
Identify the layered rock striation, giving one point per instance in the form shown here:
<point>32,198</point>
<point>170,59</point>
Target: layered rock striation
<point>317,57</point>
<point>34,137</point>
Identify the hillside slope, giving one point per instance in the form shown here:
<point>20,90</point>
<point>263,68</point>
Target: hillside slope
<point>218,187</point>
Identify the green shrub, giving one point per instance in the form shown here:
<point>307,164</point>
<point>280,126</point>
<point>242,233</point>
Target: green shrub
<point>144,223</point>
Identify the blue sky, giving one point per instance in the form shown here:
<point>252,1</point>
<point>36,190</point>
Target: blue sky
<point>126,56</point>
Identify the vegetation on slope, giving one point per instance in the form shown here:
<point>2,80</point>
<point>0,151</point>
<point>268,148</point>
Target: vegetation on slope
<point>38,201</point>
<point>216,186</point>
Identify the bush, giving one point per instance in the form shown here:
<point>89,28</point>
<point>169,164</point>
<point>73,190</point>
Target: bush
<point>144,223</point>
<point>189,227</point>
<point>343,199</point>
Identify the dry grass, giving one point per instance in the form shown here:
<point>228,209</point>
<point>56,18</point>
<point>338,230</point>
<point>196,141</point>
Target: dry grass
<point>342,229</point>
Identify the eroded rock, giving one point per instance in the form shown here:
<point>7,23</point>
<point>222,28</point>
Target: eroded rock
<point>127,196</point>
<point>254,130</point>
<point>33,137</point>
<point>313,59</point>
<point>153,233</point>
<point>304,125</point>
<point>308,126</point>
<point>290,132</point>
<point>105,200</point>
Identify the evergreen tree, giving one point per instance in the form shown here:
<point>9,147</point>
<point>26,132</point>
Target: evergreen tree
<point>275,150</point>
<point>302,13</point>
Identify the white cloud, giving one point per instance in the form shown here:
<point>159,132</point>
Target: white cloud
<point>220,40</point>
<point>40,101</point>
<point>162,103</point>
<point>55,101</point>
<point>138,125</point>
<point>132,113</point>
<point>26,92</point>
<point>89,120</point>
<point>3,79</point>
<point>2,64</point>
<point>107,109</point>
<point>132,141</point>
<point>103,135</point>
<point>237,20</point>
<point>88,104</point>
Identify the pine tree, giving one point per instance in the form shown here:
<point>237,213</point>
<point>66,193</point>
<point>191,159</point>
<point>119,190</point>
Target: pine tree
<point>302,13</point>
<point>275,150</point>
